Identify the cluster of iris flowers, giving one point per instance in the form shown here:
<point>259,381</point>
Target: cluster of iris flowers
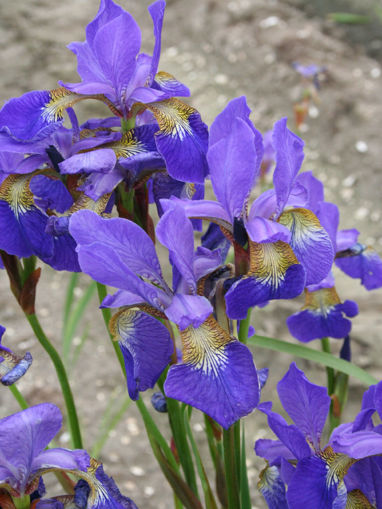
<point>78,197</point>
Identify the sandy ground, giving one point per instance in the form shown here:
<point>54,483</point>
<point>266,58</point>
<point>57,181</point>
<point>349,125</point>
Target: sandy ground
<point>220,50</point>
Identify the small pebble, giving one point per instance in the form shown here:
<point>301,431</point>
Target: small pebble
<point>148,491</point>
<point>361,146</point>
<point>361,213</point>
<point>137,471</point>
<point>349,181</point>
<point>375,72</point>
<point>269,22</point>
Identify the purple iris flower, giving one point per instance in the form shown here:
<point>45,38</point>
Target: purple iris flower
<point>23,439</point>
<point>12,366</point>
<point>113,71</point>
<point>323,314</point>
<point>287,246</point>
<point>24,458</point>
<point>357,260</point>
<point>317,475</point>
<point>217,374</point>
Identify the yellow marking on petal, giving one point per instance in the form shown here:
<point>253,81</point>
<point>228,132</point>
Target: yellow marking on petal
<point>267,478</point>
<point>269,261</point>
<point>127,146</point>
<point>84,202</point>
<point>15,191</point>
<point>357,500</point>
<point>164,77</point>
<point>204,346</point>
<point>321,300</point>
<point>338,465</point>
<point>302,223</point>
<point>189,190</point>
<point>61,99</point>
<point>172,116</point>
<point>125,317</point>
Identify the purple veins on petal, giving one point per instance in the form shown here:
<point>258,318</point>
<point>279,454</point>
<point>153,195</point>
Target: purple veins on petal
<point>274,273</point>
<point>310,243</point>
<point>50,193</point>
<point>323,315</point>
<point>146,346</point>
<point>217,374</point>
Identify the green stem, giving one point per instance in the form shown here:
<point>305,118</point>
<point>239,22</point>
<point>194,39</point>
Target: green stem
<point>244,327</point>
<point>179,433</point>
<point>18,397</point>
<point>106,313</point>
<point>29,265</point>
<point>22,502</point>
<point>325,345</point>
<point>244,484</point>
<point>74,427</point>
<point>230,469</point>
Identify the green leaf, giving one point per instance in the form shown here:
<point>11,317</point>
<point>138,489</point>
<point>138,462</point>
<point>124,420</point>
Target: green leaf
<point>349,18</point>
<point>323,358</point>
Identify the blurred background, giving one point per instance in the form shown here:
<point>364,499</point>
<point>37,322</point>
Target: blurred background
<point>220,49</point>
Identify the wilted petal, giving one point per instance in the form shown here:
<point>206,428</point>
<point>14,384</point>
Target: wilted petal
<point>217,374</point>
<point>274,274</point>
<point>322,316</point>
<point>272,488</point>
<point>289,156</point>
<point>146,346</point>
<point>310,243</point>
<point>307,404</point>
<point>181,140</point>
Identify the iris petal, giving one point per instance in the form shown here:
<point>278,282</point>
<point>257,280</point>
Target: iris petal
<point>217,374</point>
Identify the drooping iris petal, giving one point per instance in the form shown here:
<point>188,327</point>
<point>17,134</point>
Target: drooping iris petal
<point>307,404</point>
<point>181,140</point>
<point>167,83</point>
<point>217,374</point>
<point>146,346</point>
<point>12,366</point>
<point>272,488</point>
<point>329,217</point>
<point>27,118</point>
<point>289,156</point>
<point>109,496</point>
<point>22,224</point>
<point>274,273</point>
<point>318,482</point>
<point>233,159</point>
<point>363,478</point>
<point>361,262</point>
<point>50,193</point>
<point>310,243</point>
<point>356,499</point>
<point>358,444</point>
<point>322,316</point>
